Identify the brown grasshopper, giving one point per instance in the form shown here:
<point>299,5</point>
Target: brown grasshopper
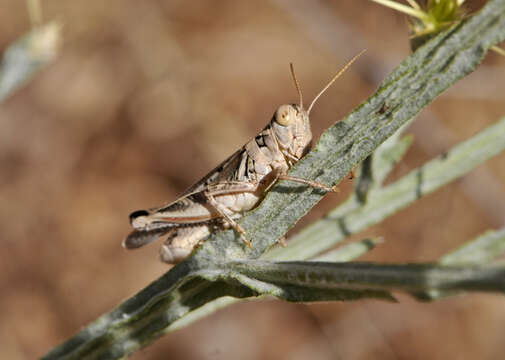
<point>237,185</point>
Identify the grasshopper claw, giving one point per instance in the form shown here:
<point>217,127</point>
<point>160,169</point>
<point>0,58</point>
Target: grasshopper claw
<point>247,242</point>
<point>335,189</point>
<point>282,241</point>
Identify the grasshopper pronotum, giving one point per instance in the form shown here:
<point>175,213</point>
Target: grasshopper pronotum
<point>237,185</point>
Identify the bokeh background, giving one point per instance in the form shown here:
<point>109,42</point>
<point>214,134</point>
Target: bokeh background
<point>146,96</point>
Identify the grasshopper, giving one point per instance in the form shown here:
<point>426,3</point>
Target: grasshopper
<point>237,185</point>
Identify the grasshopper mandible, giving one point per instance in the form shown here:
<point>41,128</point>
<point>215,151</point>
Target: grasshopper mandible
<point>237,185</point>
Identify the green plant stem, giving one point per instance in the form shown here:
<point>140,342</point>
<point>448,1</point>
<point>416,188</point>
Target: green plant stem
<point>415,12</point>
<point>344,253</point>
<point>322,281</point>
<point>27,56</point>
<point>483,249</point>
<point>34,12</point>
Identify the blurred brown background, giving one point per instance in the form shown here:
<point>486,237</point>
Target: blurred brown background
<point>146,97</point>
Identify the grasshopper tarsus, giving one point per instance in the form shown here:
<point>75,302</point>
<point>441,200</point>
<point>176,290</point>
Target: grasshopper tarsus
<point>247,242</point>
<point>314,184</point>
<point>282,241</point>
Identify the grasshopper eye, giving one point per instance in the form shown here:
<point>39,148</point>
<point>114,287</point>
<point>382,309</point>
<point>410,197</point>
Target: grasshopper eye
<point>285,115</point>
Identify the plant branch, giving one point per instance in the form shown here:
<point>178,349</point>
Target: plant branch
<point>328,281</point>
<point>27,56</point>
<point>326,233</point>
<point>413,85</point>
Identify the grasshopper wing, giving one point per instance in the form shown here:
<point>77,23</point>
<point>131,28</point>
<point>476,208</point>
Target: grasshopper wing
<point>188,211</point>
<point>138,238</point>
<point>223,172</point>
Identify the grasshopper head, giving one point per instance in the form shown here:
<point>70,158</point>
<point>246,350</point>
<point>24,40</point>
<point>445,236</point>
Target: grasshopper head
<point>291,122</point>
<point>291,126</point>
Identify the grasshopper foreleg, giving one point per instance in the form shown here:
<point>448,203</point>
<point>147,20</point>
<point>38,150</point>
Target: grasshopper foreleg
<point>278,174</point>
<point>311,183</point>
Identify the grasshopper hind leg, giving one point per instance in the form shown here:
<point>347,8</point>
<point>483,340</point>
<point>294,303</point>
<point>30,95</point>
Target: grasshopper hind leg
<point>182,242</point>
<point>172,253</point>
<point>222,212</point>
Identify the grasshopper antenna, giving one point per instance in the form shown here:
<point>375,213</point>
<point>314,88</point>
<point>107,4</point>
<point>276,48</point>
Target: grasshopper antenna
<point>297,84</point>
<point>334,78</point>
